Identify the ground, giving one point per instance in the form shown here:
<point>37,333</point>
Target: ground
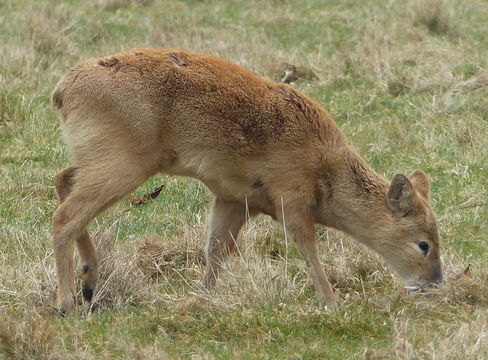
<point>406,81</point>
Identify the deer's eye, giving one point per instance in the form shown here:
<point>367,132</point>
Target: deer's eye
<point>424,247</point>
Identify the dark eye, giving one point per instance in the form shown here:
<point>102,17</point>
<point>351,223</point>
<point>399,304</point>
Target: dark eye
<point>424,247</point>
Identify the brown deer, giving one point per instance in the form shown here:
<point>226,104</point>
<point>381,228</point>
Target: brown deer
<point>259,146</point>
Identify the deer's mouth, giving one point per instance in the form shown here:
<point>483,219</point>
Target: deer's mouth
<point>415,284</point>
<point>412,287</point>
<point>420,284</point>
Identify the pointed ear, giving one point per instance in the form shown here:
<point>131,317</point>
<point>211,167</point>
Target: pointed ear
<point>401,196</point>
<point>420,182</point>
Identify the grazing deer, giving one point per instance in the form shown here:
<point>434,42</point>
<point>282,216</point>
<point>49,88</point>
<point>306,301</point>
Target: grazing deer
<point>259,146</point>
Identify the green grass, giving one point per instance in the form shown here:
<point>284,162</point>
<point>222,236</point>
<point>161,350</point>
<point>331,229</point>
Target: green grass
<point>406,81</point>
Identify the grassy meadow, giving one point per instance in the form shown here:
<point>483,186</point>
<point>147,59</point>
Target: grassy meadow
<point>408,83</point>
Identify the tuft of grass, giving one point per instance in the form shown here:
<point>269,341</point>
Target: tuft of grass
<point>167,257</point>
<point>437,16</point>
<point>407,82</point>
<point>113,5</point>
<point>33,338</point>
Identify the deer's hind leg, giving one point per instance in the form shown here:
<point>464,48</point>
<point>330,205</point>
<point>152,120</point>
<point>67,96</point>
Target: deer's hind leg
<point>64,182</point>
<point>84,193</point>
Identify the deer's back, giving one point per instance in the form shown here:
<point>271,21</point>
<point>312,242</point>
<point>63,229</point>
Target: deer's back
<point>184,93</point>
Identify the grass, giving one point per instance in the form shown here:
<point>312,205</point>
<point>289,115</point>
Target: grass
<point>407,82</point>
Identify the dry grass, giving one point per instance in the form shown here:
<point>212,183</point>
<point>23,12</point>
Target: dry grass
<point>169,258</point>
<point>31,339</point>
<point>133,275</point>
<point>408,83</point>
<point>438,17</point>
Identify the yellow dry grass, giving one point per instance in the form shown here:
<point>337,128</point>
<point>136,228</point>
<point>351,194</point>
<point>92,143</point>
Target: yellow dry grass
<point>408,83</point>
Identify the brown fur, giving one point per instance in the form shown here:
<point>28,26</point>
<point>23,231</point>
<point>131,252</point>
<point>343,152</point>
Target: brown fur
<point>256,145</point>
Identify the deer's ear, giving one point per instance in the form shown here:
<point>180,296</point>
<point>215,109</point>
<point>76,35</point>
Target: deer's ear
<point>401,195</point>
<point>420,183</point>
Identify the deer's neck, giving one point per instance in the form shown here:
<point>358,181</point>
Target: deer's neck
<point>354,200</point>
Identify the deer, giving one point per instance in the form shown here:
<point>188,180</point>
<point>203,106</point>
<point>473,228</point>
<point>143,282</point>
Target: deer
<point>260,147</point>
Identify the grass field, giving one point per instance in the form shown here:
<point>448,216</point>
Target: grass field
<point>407,82</point>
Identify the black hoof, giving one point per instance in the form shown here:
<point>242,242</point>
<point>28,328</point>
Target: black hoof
<point>87,292</point>
<point>85,268</point>
<point>62,311</point>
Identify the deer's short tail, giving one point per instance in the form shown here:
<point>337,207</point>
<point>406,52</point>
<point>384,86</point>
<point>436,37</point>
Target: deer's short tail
<point>58,95</point>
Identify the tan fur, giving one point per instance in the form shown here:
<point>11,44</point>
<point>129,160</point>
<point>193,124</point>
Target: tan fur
<point>259,146</point>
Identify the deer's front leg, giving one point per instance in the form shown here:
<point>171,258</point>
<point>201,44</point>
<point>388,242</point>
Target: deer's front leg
<point>304,236</point>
